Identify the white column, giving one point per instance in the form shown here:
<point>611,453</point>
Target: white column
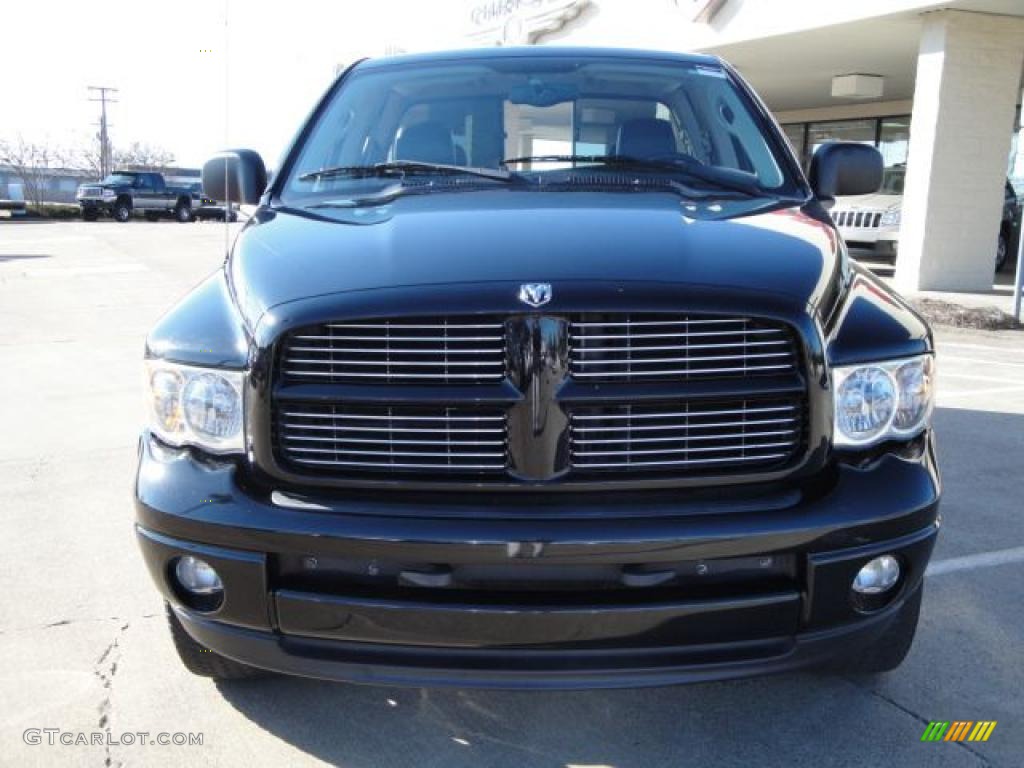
<point>968,78</point>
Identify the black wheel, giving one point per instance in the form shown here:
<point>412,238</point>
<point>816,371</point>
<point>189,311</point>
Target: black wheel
<point>200,660</point>
<point>891,648</point>
<point>152,216</point>
<point>122,211</point>
<point>183,213</point>
<point>1002,251</point>
<point>90,215</point>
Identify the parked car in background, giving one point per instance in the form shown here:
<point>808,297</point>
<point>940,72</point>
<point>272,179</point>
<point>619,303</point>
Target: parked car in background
<point>1010,228</point>
<point>206,208</point>
<point>873,221</point>
<point>124,192</point>
<point>12,201</point>
<point>539,368</point>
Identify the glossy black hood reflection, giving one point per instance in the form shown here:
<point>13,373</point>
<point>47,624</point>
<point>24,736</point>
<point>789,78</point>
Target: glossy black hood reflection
<point>505,235</point>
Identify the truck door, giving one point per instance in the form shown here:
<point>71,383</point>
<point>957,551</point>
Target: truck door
<point>159,196</point>
<point>142,198</point>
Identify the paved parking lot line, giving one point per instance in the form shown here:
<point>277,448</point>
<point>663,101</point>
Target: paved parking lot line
<point>964,345</point>
<point>972,377</point>
<point>97,269</point>
<point>982,361</point>
<point>973,562</point>
<point>943,394</point>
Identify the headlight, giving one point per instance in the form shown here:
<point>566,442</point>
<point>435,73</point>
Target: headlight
<point>879,401</point>
<point>109,193</point>
<point>891,218</point>
<point>196,406</point>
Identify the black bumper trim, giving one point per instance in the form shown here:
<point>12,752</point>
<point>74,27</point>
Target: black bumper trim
<point>511,669</point>
<point>475,625</point>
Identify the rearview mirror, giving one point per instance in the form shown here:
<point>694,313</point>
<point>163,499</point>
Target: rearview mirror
<point>845,168</point>
<point>236,176</point>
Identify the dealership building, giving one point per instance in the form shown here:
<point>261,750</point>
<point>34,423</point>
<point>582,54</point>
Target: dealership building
<point>934,85</point>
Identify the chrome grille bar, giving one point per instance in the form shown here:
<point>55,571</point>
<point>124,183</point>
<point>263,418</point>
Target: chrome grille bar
<point>387,438</point>
<point>442,350</point>
<point>649,347</point>
<point>676,435</point>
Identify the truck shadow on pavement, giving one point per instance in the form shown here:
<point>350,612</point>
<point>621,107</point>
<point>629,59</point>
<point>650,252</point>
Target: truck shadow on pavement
<point>364,726</point>
<point>793,719</point>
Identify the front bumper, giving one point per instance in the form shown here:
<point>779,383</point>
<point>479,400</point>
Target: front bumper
<point>297,598</point>
<point>100,205</point>
<point>879,237</point>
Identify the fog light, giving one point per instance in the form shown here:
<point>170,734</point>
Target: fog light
<point>197,577</point>
<point>878,576</point>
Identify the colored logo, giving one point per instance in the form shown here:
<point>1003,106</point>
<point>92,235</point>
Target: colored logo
<point>958,730</point>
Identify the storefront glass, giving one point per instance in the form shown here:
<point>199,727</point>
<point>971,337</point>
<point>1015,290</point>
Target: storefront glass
<point>861,131</point>
<point>890,134</point>
<point>795,136</point>
<point>894,138</point>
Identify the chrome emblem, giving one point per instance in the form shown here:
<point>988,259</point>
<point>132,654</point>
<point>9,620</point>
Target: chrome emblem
<point>535,294</point>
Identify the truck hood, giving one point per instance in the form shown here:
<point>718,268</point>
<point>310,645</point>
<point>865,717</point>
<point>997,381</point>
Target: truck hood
<point>499,236</point>
<point>877,201</point>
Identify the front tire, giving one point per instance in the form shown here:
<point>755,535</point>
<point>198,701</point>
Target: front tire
<point>183,213</point>
<point>1002,252</point>
<point>200,660</point>
<point>90,215</point>
<point>122,211</point>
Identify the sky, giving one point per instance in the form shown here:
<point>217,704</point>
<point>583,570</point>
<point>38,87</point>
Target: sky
<point>169,60</point>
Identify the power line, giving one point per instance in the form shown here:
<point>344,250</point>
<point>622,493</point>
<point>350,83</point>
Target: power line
<point>106,152</point>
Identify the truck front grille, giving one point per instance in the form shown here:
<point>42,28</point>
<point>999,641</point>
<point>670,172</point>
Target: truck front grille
<point>650,347</point>
<point>522,399</point>
<point>346,438</point>
<point>744,435</point>
<point>857,219</point>
<point>437,350</point>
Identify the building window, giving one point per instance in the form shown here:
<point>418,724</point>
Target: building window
<point>861,131</point>
<point>893,140</point>
<point>795,136</point>
<point>890,134</point>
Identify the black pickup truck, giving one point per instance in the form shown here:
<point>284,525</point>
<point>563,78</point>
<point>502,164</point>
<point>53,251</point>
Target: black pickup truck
<point>123,192</point>
<point>539,368</point>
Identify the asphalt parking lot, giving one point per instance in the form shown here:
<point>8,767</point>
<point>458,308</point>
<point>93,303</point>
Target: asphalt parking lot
<point>85,646</point>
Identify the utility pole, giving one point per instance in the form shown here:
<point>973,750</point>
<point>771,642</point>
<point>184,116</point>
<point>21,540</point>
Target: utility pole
<point>106,153</point>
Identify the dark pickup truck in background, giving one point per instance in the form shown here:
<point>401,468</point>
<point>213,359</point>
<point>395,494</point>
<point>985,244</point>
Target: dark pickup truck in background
<point>125,191</point>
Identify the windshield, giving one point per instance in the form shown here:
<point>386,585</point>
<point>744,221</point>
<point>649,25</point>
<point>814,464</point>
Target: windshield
<point>119,178</point>
<point>537,116</point>
<point>892,180</point>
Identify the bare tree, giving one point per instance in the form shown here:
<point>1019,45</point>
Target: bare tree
<point>143,157</point>
<point>87,159</point>
<point>137,156</point>
<point>32,162</point>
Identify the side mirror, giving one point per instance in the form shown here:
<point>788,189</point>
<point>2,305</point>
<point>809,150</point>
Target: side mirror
<point>235,176</point>
<point>845,168</point>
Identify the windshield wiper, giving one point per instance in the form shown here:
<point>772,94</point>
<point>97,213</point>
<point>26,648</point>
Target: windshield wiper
<point>725,178</point>
<point>403,167</point>
<point>385,195</point>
